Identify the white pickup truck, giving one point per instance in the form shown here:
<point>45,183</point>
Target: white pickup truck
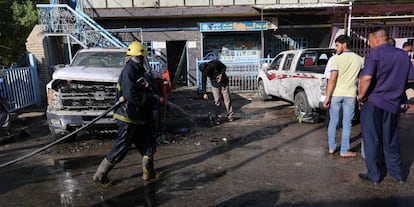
<point>298,77</point>
<point>81,91</point>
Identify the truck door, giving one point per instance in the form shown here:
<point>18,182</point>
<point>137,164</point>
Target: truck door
<point>285,77</point>
<point>272,73</point>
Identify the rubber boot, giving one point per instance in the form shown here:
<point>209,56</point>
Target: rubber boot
<point>148,172</point>
<point>101,174</point>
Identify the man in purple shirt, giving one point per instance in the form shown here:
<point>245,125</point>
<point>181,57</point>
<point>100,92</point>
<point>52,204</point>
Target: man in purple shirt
<point>381,85</point>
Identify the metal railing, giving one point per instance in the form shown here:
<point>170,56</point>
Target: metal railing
<point>359,35</point>
<point>242,74</point>
<point>79,27</point>
<point>20,87</point>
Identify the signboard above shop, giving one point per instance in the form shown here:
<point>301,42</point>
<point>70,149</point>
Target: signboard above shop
<point>232,26</point>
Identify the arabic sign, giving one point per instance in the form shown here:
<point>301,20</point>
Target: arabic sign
<point>232,26</point>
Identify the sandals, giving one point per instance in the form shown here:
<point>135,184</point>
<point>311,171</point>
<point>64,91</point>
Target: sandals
<point>332,151</point>
<point>343,155</point>
<point>348,154</point>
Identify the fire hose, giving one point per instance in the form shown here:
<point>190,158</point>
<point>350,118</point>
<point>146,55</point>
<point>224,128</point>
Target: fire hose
<point>61,139</point>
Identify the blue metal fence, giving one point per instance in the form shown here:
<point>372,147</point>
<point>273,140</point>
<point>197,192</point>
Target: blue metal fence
<point>242,74</point>
<point>20,86</point>
<point>156,67</point>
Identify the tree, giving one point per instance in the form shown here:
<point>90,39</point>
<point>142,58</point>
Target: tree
<point>4,28</point>
<point>16,22</point>
<point>24,15</point>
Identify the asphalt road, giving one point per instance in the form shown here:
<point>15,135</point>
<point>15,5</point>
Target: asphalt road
<point>263,158</point>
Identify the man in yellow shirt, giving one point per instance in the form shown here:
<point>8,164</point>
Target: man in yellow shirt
<point>341,94</point>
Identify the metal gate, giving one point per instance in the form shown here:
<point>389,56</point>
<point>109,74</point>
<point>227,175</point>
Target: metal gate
<point>242,74</point>
<point>286,43</point>
<point>359,35</point>
<point>20,86</point>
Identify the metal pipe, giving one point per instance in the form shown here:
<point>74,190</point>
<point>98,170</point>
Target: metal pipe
<point>69,48</point>
<point>262,36</point>
<point>349,19</point>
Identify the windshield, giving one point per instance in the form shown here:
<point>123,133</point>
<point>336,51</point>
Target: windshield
<point>104,59</point>
<point>315,61</point>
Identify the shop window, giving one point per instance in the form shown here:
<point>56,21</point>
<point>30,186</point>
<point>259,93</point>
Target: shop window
<point>232,46</point>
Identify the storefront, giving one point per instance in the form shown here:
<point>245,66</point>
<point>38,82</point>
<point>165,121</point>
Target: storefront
<point>232,40</point>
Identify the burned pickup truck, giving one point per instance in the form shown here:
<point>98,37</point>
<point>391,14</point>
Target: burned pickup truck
<point>298,77</point>
<point>81,91</point>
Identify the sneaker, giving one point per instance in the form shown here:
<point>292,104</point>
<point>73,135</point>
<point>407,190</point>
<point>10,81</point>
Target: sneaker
<point>231,119</point>
<point>218,121</point>
<point>404,107</point>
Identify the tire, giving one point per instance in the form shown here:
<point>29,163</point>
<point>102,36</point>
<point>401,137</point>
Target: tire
<point>301,104</point>
<point>261,91</point>
<point>54,135</point>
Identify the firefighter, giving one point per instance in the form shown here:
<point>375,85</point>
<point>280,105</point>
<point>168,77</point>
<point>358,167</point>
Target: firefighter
<point>133,117</point>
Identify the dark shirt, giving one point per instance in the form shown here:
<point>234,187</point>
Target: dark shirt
<point>390,68</point>
<point>212,70</point>
<point>132,90</point>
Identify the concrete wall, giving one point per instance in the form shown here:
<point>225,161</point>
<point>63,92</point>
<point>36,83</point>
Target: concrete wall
<point>119,4</point>
<point>244,2</point>
<point>197,3</point>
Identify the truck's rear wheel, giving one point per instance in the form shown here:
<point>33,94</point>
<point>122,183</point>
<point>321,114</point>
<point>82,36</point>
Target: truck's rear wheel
<point>301,104</point>
<point>261,91</point>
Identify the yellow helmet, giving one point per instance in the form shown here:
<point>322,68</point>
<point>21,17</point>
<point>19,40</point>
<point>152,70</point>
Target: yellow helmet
<point>136,49</point>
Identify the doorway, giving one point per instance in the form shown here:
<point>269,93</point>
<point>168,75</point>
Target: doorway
<point>177,62</point>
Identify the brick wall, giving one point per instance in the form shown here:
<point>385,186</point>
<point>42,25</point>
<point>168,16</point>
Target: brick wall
<point>36,44</point>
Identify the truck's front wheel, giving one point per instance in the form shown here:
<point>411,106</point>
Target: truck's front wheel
<point>55,135</point>
<point>301,104</point>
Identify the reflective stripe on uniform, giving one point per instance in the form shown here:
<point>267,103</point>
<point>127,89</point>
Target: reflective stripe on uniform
<point>127,120</point>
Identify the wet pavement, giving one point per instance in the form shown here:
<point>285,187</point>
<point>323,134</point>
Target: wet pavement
<point>263,158</point>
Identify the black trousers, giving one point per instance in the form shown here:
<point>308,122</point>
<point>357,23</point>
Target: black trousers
<point>140,135</point>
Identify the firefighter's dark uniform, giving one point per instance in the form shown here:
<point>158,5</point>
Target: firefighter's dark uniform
<point>134,119</point>
<point>134,116</point>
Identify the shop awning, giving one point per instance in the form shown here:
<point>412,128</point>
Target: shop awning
<point>382,17</point>
<point>275,7</point>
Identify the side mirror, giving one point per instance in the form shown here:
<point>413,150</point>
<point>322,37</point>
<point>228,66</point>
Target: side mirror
<point>265,66</point>
<point>59,66</point>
